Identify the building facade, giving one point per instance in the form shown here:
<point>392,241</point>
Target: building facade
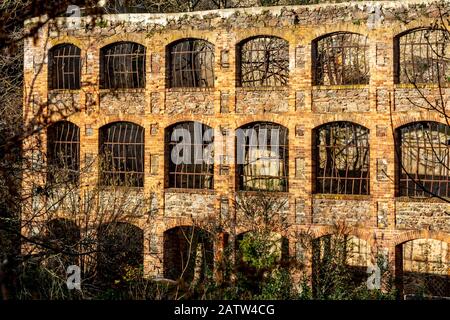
<point>345,87</point>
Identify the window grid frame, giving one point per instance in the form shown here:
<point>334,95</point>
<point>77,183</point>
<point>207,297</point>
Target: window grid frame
<point>360,143</point>
<point>114,149</point>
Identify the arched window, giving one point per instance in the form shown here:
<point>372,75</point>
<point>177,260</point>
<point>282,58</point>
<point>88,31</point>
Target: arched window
<point>342,158</point>
<point>421,56</point>
<point>340,59</point>
<point>122,65</point>
<point>263,61</point>
<point>63,152</point>
<point>190,156</point>
<point>424,163</point>
<point>64,67</point>
<point>262,157</point>
<point>191,64</point>
<point>122,154</point>
<point>188,253</point>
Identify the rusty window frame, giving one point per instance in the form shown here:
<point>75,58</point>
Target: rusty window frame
<point>341,58</point>
<point>63,152</point>
<point>64,67</point>
<point>122,154</point>
<point>249,179</point>
<point>191,64</point>
<point>122,66</point>
<point>263,62</point>
<point>341,152</point>
<point>188,176</point>
<point>422,56</point>
<point>429,142</point>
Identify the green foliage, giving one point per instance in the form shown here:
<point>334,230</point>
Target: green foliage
<point>257,251</point>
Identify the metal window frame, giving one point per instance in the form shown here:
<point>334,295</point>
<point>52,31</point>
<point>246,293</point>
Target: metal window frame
<point>331,179</point>
<point>188,176</point>
<point>411,181</point>
<point>263,61</point>
<point>268,181</point>
<point>191,64</point>
<point>64,67</point>
<point>122,65</point>
<point>122,147</point>
<point>337,55</point>
<point>413,46</point>
<point>63,151</point>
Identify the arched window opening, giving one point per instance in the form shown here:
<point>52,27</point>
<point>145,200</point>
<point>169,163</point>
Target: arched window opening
<point>422,56</point>
<point>341,59</point>
<point>190,156</point>
<point>122,155</point>
<point>263,62</point>
<point>63,152</point>
<point>64,67</point>
<point>425,161</point>
<point>262,157</point>
<point>191,64</point>
<point>122,65</point>
<point>342,158</point>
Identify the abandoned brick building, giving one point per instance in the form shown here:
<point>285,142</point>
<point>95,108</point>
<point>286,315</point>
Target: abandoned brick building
<point>347,87</point>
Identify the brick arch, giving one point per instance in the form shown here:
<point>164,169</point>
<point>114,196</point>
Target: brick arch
<point>339,117</point>
<point>405,119</point>
<point>190,118</point>
<point>255,34</point>
<point>183,35</point>
<point>122,37</point>
<point>104,120</point>
<point>360,233</point>
<point>277,119</point>
<point>399,28</point>
<point>328,122</point>
<point>343,28</point>
<point>421,234</point>
<point>172,223</point>
<point>69,40</point>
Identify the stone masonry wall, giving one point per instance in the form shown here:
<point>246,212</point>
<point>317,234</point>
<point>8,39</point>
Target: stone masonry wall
<point>351,212</point>
<point>340,100</point>
<point>423,215</point>
<point>261,101</point>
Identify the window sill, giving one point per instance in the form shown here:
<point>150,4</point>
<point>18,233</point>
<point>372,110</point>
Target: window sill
<point>123,90</point>
<point>421,85</point>
<point>360,197</point>
<point>120,189</point>
<point>192,191</point>
<point>274,193</point>
<point>341,87</point>
<point>64,91</point>
<point>278,88</point>
<point>421,199</point>
<point>191,89</point>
